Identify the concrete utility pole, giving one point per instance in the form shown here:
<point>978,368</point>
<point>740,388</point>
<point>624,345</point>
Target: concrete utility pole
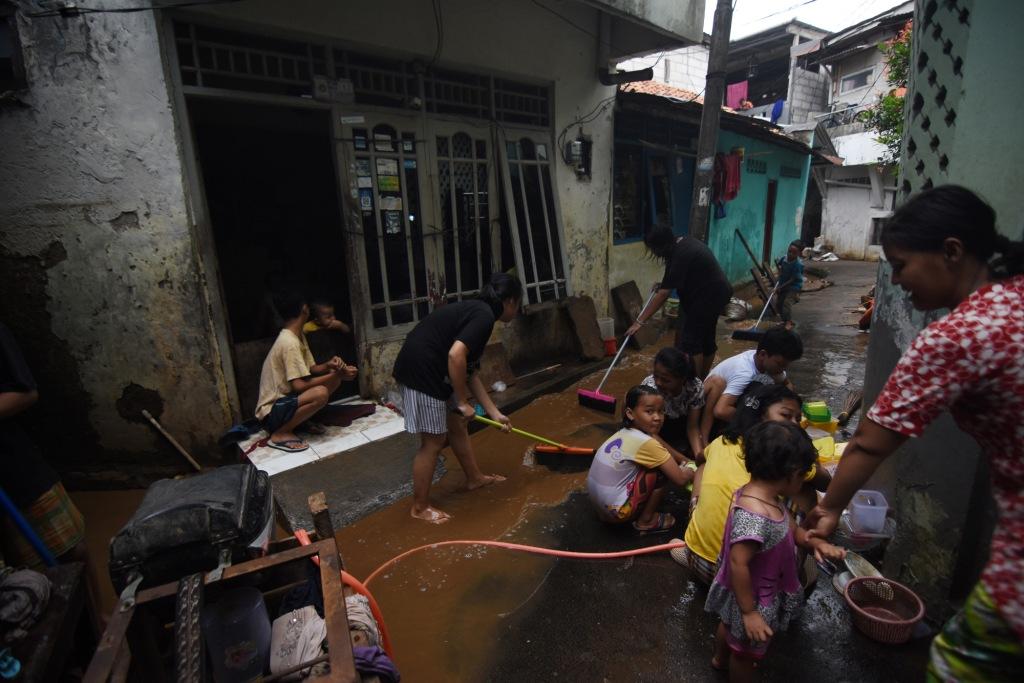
<point>714,94</point>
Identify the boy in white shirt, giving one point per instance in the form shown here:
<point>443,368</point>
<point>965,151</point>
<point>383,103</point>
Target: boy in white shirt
<point>729,379</point>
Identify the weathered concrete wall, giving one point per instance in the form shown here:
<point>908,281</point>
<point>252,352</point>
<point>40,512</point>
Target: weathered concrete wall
<point>684,19</point>
<point>809,93</point>
<point>939,482</point>
<point>684,68</point>
<point>97,275</point>
<point>847,214</point>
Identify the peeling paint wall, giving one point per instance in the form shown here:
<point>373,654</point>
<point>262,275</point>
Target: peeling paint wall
<point>97,273</point>
<point>747,211</point>
<point>630,261</point>
<point>963,93</point>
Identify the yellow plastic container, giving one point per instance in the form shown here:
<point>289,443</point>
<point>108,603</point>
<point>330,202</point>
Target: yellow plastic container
<point>832,426</point>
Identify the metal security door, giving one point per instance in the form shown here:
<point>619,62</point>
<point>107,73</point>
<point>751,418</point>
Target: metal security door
<point>383,159</point>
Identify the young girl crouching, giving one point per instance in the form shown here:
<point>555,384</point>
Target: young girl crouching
<point>757,589</point>
<point>629,473</point>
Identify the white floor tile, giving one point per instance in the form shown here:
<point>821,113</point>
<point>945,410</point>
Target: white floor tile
<point>386,429</point>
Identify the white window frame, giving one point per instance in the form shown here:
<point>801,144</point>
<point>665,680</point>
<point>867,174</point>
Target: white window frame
<point>553,225</point>
<point>870,71</point>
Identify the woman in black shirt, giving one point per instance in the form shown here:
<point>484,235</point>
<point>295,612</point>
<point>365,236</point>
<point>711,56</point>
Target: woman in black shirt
<point>435,371</point>
<point>704,290</point>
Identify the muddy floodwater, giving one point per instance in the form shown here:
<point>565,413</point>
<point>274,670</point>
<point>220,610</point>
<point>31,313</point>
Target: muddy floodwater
<point>446,607</point>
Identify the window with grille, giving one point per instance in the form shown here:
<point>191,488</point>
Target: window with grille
<point>464,196</point>
<point>757,166</point>
<point>856,80</point>
<point>220,58</point>
<point>387,178</point>
<point>537,243</point>
<point>628,208</point>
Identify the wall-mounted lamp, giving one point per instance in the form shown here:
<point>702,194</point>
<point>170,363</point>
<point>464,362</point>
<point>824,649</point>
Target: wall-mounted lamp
<point>751,67</point>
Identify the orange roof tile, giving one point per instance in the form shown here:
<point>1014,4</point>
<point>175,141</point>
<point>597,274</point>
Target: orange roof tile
<point>661,90</point>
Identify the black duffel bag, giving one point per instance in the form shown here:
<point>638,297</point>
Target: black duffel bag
<point>196,524</point>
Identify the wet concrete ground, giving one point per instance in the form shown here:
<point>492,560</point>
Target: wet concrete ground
<point>478,614</point>
<point>475,614</point>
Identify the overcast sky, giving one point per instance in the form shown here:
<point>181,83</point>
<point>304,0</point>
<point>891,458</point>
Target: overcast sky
<point>751,16</point>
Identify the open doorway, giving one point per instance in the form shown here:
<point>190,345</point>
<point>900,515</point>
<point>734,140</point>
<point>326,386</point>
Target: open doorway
<point>272,194</point>
<point>769,221</point>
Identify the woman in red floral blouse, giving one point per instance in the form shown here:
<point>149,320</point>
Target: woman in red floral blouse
<point>944,250</point>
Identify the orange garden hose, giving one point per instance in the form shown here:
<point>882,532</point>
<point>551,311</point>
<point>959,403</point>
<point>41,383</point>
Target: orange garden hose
<point>355,584</point>
<point>361,587</point>
<point>530,549</point>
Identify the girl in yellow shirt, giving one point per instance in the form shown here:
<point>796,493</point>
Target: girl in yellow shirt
<point>724,472</point>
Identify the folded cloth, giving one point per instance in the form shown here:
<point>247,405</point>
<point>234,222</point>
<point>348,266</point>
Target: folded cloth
<point>295,638</point>
<point>343,415</point>
<point>374,661</point>
<point>360,618</point>
<point>24,595</point>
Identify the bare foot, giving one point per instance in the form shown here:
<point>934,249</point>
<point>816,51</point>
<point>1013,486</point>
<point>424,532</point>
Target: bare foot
<point>484,480</point>
<point>431,514</point>
<point>718,665</point>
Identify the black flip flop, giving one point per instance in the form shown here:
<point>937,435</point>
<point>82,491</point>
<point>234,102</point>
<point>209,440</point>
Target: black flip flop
<point>283,445</point>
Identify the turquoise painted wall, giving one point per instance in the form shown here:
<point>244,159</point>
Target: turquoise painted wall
<point>747,211</point>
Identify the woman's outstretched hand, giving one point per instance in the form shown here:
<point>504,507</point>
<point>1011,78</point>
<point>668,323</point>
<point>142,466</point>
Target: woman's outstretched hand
<point>821,522</point>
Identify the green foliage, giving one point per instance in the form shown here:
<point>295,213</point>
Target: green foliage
<point>886,116</point>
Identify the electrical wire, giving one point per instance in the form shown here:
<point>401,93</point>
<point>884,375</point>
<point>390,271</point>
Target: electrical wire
<point>71,9</point>
<point>781,11</point>
<point>439,28</point>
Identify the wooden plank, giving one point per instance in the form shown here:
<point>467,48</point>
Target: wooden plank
<point>322,519</point>
<point>343,668</point>
<point>110,646</point>
<point>762,290</point>
<point>252,566</point>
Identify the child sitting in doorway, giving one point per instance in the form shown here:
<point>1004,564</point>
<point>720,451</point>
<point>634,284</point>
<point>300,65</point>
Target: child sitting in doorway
<point>756,591</point>
<point>321,313</point>
<point>293,387</point>
<point>629,473</point>
<point>675,377</point>
<point>791,281</point>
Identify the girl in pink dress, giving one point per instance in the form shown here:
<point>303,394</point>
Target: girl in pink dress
<point>757,589</point>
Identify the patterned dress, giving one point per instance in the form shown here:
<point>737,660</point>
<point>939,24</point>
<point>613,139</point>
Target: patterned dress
<point>972,363</point>
<point>773,576</point>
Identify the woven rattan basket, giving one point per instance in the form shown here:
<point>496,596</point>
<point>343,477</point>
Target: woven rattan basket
<point>882,609</point>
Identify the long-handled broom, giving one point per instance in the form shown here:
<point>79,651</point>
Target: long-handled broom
<point>752,333</point>
<point>595,399</point>
<point>552,446</point>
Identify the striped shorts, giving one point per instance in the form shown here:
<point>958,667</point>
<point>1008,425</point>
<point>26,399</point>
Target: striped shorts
<point>425,414</point>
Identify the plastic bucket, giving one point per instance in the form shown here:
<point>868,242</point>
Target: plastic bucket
<point>237,631</point>
<point>607,326</point>
<point>610,347</point>
<point>867,511</point>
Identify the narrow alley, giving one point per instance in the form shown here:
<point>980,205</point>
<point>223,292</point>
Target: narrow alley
<point>468,613</point>
<point>275,276</point>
